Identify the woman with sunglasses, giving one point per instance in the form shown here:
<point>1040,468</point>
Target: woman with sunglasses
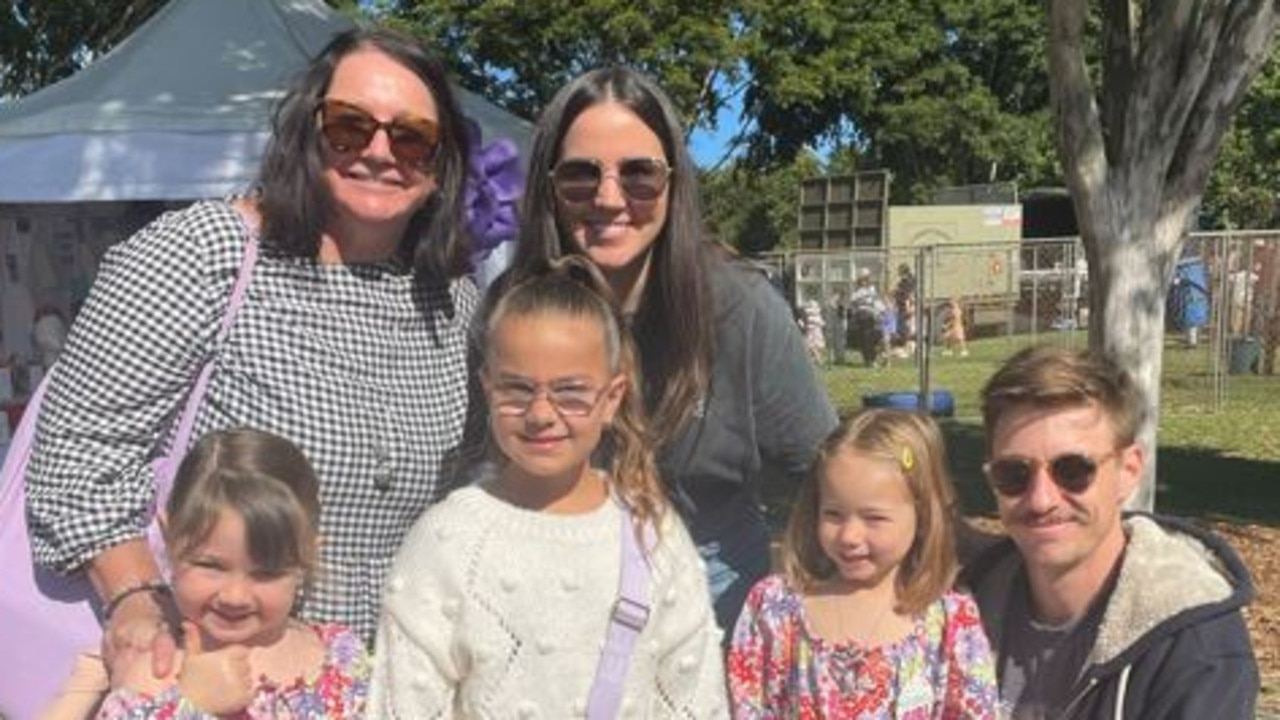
<point>352,341</point>
<point>727,381</point>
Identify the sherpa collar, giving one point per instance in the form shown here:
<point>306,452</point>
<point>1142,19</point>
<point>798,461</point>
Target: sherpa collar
<point>1173,574</point>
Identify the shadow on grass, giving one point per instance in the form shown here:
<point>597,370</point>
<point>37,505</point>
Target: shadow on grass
<point>1199,482</point>
<point>1193,482</point>
<point>965,452</point>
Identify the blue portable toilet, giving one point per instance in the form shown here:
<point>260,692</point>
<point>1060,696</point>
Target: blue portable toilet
<point>1188,302</point>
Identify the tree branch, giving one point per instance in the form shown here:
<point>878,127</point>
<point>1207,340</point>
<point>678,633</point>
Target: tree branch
<point>1178,45</point>
<point>1075,110</point>
<point>1246,37</point>
<point>1117,75</point>
<point>702,105</point>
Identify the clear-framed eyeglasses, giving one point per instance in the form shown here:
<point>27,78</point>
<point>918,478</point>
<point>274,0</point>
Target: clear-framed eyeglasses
<point>513,398</point>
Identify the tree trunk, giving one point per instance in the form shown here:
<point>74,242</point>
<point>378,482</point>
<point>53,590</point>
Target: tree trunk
<point>1127,287</point>
<point>1136,154</point>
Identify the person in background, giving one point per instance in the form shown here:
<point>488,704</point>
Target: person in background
<point>729,387</point>
<point>812,323</point>
<point>904,305</point>
<point>49,336</point>
<point>954,335</point>
<point>862,623</point>
<point>505,597</point>
<point>241,529</point>
<point>1094,612</point>
<point>834,324</point>
<point>352,342</point>
<point>868,312</point>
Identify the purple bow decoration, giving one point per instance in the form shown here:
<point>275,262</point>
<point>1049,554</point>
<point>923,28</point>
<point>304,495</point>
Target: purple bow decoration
<point>494,185</point>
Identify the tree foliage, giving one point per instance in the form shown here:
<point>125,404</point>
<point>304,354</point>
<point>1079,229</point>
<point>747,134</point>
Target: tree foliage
<point>43,41</point>
<point>1245,184</point>
<point>519,53</point>
<point>940,92</point>
<point>753,210</point>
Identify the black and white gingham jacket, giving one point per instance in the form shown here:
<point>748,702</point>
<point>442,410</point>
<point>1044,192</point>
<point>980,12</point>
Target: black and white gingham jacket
<point>365,372</point>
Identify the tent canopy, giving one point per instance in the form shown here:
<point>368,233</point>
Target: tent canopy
<point>181,109</point>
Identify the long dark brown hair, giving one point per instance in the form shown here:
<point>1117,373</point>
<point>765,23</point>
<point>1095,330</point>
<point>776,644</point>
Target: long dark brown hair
<point>673,324</point>
<point>295,202</point>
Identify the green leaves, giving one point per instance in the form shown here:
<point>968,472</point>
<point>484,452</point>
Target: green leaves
<point>43,41</point>
<point>927,89</point>
<point>755,211</point>
<point>519,53</point>
<point>1242,191</point>
<point>938,91</point>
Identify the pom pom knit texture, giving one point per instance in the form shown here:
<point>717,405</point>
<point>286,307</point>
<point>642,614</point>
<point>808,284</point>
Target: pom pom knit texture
<point>496,611</point>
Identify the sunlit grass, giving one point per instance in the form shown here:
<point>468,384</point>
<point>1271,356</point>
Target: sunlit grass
<point>1224,463</point>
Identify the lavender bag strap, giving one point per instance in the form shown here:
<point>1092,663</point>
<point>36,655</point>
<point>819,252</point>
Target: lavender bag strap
<point>167,466</point>
<point>629,617</point>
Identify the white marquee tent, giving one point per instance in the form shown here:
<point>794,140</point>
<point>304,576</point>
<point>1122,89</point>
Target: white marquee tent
<point>180,110</point>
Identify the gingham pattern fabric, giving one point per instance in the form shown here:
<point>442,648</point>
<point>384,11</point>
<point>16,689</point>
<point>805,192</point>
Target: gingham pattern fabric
<point>364,369</point>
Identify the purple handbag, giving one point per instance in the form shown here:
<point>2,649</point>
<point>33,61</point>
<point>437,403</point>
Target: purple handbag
<point>46,618</point>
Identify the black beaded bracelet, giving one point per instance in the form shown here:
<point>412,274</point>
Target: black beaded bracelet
<point>155,586</point>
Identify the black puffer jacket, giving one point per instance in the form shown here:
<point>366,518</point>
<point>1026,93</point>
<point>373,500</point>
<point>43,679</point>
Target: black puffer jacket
<point>1172,642</point>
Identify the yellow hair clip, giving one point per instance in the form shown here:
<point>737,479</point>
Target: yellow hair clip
<point>908,458</point>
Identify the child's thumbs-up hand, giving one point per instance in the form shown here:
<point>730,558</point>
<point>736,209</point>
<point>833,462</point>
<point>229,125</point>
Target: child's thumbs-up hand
<point>218,682</point>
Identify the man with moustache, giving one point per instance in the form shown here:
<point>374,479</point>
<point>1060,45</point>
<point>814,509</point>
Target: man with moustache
<point>1095,613</point>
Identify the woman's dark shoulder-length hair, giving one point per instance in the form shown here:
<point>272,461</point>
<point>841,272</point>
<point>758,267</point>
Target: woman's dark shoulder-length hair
<point>672,325</point>
<point>295,201</point>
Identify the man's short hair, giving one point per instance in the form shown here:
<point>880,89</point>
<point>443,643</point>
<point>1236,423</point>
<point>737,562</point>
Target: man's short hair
<point>1056,377</point>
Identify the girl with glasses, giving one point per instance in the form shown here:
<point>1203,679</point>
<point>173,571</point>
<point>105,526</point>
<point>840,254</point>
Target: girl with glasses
<point>727,380</point>
<point>861,623</point>
<point>503,595</point>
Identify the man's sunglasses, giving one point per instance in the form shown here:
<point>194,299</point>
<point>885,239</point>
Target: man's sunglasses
<point>1073,472</point>
<point>642,179</point>
<point>349,129</point>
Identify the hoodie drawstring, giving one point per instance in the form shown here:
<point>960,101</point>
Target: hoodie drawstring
<point>1121,688</point>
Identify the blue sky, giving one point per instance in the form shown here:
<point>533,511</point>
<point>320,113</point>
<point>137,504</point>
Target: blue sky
<point>708,147</point>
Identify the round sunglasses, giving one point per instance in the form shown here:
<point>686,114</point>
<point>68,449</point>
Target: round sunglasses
<point>642,179</point>
<point>1073,472</point>
<point>348,128</point>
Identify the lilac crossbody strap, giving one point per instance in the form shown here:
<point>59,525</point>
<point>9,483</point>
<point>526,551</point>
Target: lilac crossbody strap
<point>630,615</point>
<point>167,466</point>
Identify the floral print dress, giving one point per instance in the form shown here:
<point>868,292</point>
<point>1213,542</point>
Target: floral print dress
<point>778,668</point>
<point>339,691</point>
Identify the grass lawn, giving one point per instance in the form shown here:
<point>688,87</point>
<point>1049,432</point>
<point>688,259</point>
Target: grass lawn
<point>1221,465</point>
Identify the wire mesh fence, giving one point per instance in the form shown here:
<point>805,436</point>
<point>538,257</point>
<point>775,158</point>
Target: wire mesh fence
<point>894,326</point>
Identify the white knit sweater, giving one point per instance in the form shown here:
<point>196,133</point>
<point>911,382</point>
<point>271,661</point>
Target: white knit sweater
<point>494,611</point>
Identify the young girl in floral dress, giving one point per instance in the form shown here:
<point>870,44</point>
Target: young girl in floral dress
<point>861,624</point>
<point>241,532</point>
